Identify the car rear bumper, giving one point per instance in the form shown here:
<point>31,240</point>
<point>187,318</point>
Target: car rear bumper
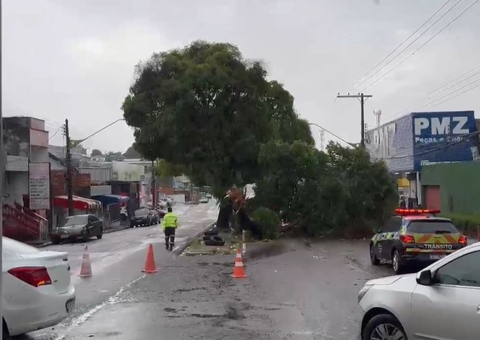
<point>424,257</point>
<point>32,309</point>
<point>65,237</point>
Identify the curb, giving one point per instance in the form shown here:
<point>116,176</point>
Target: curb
<point>186,244</point>
<point>46,244</point>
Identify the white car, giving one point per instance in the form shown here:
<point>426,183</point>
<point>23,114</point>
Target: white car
<point>37,289</point>
<point>440,302</point>
<point>170,200</point>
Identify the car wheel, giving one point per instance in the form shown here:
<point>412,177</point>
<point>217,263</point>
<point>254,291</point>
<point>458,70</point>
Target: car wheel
<point>383,326</point>
<point>99,236</point>
<point>373,256</point>
<point>397,263</point>
<point>86,236</point>
<point>5,333</point>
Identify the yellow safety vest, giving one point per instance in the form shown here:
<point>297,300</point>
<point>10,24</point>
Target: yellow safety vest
<point>169,221</point>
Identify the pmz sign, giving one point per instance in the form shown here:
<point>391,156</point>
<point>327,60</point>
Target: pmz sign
<point>440,129</point>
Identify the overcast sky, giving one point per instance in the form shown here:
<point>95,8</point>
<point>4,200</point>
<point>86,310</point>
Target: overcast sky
<point>74,59</point>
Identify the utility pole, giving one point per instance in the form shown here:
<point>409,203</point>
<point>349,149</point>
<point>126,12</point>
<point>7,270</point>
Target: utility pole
<point>362,97</point>
<point>154,186</point>
<point>68,175</point>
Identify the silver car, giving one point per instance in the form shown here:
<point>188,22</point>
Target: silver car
<point>440,302</point>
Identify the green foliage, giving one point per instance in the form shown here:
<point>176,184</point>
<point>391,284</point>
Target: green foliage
<point>268,221</point>
<point>467,224</point>
<point>132,153</point>
<point>166,169</point>
<point>96,152</point>
<point>324,192</point>
<point>210,114</point>
<point>209,110</point>
<point>113,156</point>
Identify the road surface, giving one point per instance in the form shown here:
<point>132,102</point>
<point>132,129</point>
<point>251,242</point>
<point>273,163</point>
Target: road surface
<point>294,290</point>
<point>118,259</point>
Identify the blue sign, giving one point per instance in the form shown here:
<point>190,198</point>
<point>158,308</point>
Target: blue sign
<point>441,137</point>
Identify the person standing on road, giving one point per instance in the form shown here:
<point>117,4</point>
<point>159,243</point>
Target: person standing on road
<point>169,225</point>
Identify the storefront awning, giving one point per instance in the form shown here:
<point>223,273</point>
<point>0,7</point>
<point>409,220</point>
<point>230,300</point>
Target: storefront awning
<point>80,203</point>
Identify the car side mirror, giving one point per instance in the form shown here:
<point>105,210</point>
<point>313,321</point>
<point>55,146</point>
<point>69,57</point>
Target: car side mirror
<point>425,278</point>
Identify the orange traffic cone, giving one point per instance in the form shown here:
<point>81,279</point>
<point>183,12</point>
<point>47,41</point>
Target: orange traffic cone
<point>239,269</point>
<point>150,267</point>
<point>86,269</point>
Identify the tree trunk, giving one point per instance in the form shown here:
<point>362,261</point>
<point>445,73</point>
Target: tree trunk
<point>224,215</point>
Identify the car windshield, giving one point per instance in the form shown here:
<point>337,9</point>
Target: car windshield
<point>432,227</point>
<point>76,220</point>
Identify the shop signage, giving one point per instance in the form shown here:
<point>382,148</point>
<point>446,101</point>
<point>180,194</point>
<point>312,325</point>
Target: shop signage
<point>39,185</point>
<point>434,129</point>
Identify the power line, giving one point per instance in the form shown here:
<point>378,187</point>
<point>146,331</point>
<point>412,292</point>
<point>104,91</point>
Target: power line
<point>363,98</point>
<point>452,86</point>
<point>441,17</point>
<point>60,128</point>
<point>421,46</point>
<point>451,81</point>
<point>428,95</point>
<point>330,132</point>
<point>463,92</point>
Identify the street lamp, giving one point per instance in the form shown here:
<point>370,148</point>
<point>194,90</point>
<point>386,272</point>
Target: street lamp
<point>69,160</point>
<point>354,145</point>
<point>77,142</point>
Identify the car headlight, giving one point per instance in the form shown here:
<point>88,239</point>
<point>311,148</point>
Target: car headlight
<point>363,291</point>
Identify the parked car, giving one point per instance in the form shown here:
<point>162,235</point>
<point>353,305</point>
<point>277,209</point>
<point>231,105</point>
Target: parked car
<point>78,227</point>
<point>37,289</point>
<point>155,216</point>
<point>161,213</point>
<point>203,200</point>
<point>141,217</point>
<point>208,196</point>
<point>439,302</point>
<point>170,201</point>
<point>162,203</point>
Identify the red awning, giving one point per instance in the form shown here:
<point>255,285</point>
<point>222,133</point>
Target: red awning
<point>80,203</point>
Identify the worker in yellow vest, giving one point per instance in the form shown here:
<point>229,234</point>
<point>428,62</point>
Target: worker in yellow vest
<point>169,225</point>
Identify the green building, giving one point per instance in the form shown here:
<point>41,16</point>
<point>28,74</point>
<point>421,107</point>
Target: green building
<point>454,188</point>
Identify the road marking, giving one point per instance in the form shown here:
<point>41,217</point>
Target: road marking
<point>77,321</point>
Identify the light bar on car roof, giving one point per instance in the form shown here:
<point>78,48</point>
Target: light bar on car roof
<point>416,211</point>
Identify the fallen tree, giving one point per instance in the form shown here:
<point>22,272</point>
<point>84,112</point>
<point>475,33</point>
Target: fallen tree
<point>206,111</point>
<point>337,192</point>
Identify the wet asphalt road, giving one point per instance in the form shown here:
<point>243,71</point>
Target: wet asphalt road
<point>118,259</point>
<point>294,290</point>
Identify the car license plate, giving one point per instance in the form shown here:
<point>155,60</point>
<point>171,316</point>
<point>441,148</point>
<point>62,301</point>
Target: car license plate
<point>70,305</point>
<point>64,236</point>
<point>436,257</point>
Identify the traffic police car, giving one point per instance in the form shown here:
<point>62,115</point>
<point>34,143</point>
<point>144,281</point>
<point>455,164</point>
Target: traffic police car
<point>415,235</point>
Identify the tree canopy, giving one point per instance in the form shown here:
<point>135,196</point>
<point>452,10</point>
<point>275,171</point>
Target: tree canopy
<point>324,192</point>
<point>208,109</point>
<point>96,152</point>
<point>210,114</point>
<point>166,169</point>
<point>132,153</point>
